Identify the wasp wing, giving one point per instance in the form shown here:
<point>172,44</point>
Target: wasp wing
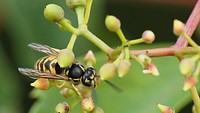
<point>35,74</point>
<point>116,88</point>
<point>44,48</point>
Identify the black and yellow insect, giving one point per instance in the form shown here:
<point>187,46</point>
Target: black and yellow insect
<point>48,67</point>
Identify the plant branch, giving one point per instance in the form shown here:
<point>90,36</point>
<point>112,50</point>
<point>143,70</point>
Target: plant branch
<point>191,25</point>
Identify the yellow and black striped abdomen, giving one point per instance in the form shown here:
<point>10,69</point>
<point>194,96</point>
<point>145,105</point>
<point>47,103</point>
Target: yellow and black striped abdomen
<point>48,64</point>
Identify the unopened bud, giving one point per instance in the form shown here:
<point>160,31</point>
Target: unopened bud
<point>97,110</point>
<point>151,69</point>
<point>112,23</point>
<point>148,36</point>
<point>178,27</point>
<point>165,109</point>
<point>62,108</point>
<point>107,71</point>
<point>187,66</point>
<point>90,58</point>
<point>190,82</point>
<point>194,109</point>
<point>53,13</point>
<point>68,93</point>
<point>65,57</point>
<point>41,83</point>
<point>87,104</point>
<point>75,3</point>
<point>123,68</point>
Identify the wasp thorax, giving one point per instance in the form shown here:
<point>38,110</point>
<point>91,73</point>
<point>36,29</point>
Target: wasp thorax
<point>75,72</point>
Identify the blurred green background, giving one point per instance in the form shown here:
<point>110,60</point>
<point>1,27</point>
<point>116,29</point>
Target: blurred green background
<point>22,22</point>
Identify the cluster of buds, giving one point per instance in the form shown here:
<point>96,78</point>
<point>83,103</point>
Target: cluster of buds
<point>187,65</point>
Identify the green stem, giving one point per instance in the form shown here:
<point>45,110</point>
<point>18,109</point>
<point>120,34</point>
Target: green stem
<point>127,54</point>
<point>121,36</point>
<point>136,41</point>
<point>67,26</point>
<point>196,72</point>
<point>195,98</point>
<point>190,41</point>
<point>72,41</point>
<point>74,102</point>
<point>95,40</point>
<point>87,12</point>
<point>117,61</point>
<point>80,14</point>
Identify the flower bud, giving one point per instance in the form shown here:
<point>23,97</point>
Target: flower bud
<point>145,60</point>
<point>178,27</point>
<point>148,36</point>
<point>75,3</point>
<point>190,82</point>
<point>187,66</point>
<point>65,57</point>
<point>165,109</point>
<point>97,110</point>
<point>68,93</point>
<point>107,71</point>
<point>90,58</point>
<point>53,13</point>
<point>123,67</point>
<point>112,23</point>
<point>62,108</point>
<point>194,109</point>
<point>41,83</point>
<point>151,69</point>
<point>87,104</point>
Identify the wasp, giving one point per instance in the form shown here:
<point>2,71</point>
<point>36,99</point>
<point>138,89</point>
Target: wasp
<point>48,67</point>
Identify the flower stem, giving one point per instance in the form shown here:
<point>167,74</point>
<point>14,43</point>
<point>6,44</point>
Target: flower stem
<point>191,25</point>
<point>67,26</point>
<point>136,41</point>
<point>72,41</point>
<point>190,41</point>
<point>195,98</point>
<point>95,40</point>
<point>87,12</point>
<point>121,36</point>
<point>80,14</point>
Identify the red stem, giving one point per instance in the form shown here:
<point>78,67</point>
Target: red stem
<point>191,25</point>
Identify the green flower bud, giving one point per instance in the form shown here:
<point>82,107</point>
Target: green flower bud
<point>62,108</point>
<point>187,66</point>
<point>148,36</point>
<point>178,27</point>
<point>112,23</point>
<point>87,104</point>
<point>75,3</point>
<point>123,68</point>
<point>41,83</point>
<point>107,71</point>
<point>90,59</point>
<point>65,57</point>
<point>68,93</point>
<point>53,13</point>
<point>97,110</point>
<point>190,82</point>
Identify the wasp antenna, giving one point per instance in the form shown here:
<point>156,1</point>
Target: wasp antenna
<point>116,88</point>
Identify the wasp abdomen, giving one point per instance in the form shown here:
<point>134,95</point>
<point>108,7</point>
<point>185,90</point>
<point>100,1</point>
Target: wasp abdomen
<point>48,64</point>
